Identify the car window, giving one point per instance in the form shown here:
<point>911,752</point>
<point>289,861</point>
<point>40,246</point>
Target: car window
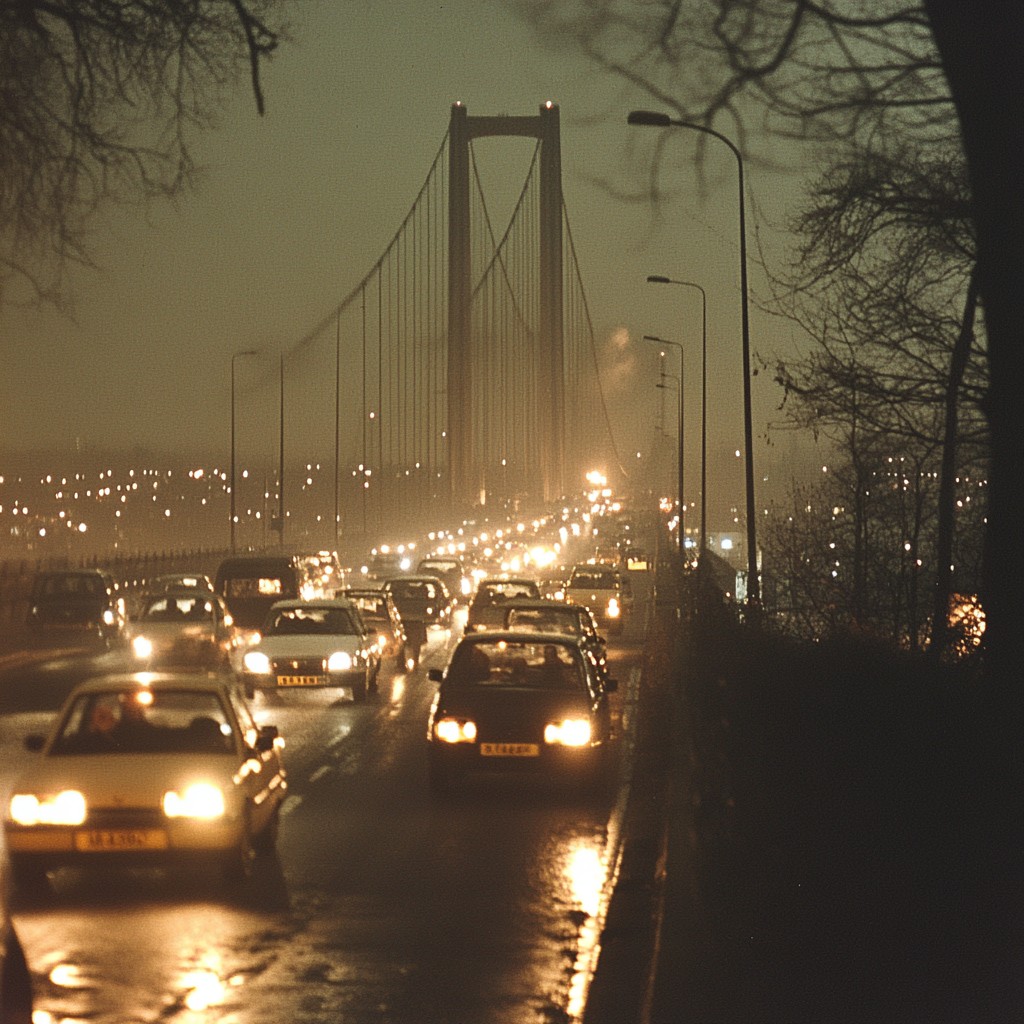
<point>311,621</point>
<point>141,721</point>
<point>514,664</point>
<point>542,620</point>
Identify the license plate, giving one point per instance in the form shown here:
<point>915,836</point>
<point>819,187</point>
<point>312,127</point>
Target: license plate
<point>302,680</point>
<point>102,841</point>
<point>509,750</point>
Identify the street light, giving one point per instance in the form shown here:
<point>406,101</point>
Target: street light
<point>682,531</point>
<point>659,279</point>
<point>658,120</point>
<point>235,356</point>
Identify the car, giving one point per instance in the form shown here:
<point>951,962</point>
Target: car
<point>183,628</point>
<point>156,769</point>
<point>15,976</point>
<point>252,584</point>
<point>487,609</point>
<point>544,615</point>
<point>84,607</point>
<point>511,701</point>
<point>322,642</point>
<point>605,590</point>
<point>380,613</point>
<point>422,602</point>
<point>452,571</point>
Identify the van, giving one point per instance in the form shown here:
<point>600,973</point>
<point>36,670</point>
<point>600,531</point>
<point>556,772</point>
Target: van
<point>250,584</point>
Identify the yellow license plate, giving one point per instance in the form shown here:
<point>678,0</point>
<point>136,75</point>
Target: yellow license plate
<point>509,750</point>
<point>106,840</point>
<point>302,680</point>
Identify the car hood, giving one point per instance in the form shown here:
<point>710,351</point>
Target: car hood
<point>308,646</point>
<point>127,780</point>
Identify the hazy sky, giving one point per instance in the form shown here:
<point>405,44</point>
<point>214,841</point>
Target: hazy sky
<point>296,206</point>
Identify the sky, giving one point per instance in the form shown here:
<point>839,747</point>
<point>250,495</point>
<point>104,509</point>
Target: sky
<point>294,208</point>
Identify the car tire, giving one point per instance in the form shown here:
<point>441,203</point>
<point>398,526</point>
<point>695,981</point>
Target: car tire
<point>16,984</point>
<point>266,841</point>
<point>359,692</point>
<point>240,864</point>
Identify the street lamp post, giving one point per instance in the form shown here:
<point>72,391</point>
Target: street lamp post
<point>659,120</point>
<point>682,530</point>
<point>659,279</point>
<point>235,356</point>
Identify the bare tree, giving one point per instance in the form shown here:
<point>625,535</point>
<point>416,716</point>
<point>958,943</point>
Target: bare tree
<point>937,71</point>
<point>98,101</point>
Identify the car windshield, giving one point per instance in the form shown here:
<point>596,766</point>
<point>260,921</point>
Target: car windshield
<point>311,620</point>
<point>594,578</point>
<point>178,608</point>
<point>516,664</point>
<point>372,606</point>
<point>544,620</point>
<point>415,590</point>
<point>144,721</point>
<point>504,590</point>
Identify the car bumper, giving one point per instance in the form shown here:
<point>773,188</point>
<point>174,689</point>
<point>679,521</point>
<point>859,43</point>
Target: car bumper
<point>318,681</point>
<point>143,840</point>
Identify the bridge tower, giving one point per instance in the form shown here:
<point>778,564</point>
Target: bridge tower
<point>464,472</point>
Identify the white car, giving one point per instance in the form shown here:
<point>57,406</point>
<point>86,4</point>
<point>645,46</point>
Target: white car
<point>148,769</point>
<point>181,628</point>
<point>316,643</point>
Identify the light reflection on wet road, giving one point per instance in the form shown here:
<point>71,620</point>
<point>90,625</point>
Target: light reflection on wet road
<point>384,905</point>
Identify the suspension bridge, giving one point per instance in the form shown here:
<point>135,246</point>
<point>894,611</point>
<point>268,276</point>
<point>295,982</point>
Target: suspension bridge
<point>466,371</point>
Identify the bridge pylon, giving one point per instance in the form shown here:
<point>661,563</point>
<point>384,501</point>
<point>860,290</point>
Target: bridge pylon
<point>465,469</point>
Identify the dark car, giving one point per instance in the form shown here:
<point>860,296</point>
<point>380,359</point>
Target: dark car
<point>487,609</point>
<point>520,702</point>
<point>422,602</point>
<point>15,977</point>
<point>451,570</point>
<point>380,612</point>
<point>78,606</point>
<point>544,615</point>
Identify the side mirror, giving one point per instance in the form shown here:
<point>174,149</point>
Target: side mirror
<point>435,675</point>
<point>35,743</point>
<point>265,740</point>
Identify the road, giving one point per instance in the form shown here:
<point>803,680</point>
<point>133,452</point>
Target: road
<point>383,904</point>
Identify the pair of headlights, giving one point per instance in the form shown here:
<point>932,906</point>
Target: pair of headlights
<point>201,800</point>
<point>566,732</point>
<point>259,664</point>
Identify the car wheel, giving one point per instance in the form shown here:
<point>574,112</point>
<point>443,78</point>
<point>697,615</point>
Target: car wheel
<point>359,691</point>
<point>16,984</point>
<point>240,863</point>
<point>266,841</point>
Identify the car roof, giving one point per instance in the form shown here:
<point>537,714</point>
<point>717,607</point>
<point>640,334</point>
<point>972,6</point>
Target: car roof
<point>313,602</point>
<point>196,681</point>
<point>493,636</point>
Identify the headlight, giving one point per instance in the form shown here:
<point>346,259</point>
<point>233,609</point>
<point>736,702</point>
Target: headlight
<point>142,647</point>
<point>200,800</point>
<point>108,617</point>
<point>466,586</point>
<point>455,730</point>
<point>66,808</point>
<point>257,663</point>
<point>340,661</point>
<point>613,608</point>
<point>570,732</point>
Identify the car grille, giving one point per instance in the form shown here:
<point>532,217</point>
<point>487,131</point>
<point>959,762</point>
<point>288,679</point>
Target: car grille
<point>125,817</point>
<point>298,666</point>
